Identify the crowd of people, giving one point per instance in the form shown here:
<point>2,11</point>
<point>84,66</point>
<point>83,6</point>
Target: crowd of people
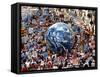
<point>35,53</point>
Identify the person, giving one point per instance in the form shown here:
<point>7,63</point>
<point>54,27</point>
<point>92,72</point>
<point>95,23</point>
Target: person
<point>50,65</point>
<point>30,30</point>
<point>42,64</point>
<point>23,68</point>
<point>34,54</point>
<point>27,63</point>
<point>24,39</point>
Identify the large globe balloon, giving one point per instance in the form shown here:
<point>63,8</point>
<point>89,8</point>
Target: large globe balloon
<point>59,37</point>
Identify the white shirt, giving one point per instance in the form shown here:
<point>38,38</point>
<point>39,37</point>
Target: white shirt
<point>27,64</point>
<point>34,54</point>
<point>24,39</point>
<point>30,30</point>
<point>42,63</point>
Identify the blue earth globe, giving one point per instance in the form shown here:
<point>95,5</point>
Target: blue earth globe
<point>59,37</point>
